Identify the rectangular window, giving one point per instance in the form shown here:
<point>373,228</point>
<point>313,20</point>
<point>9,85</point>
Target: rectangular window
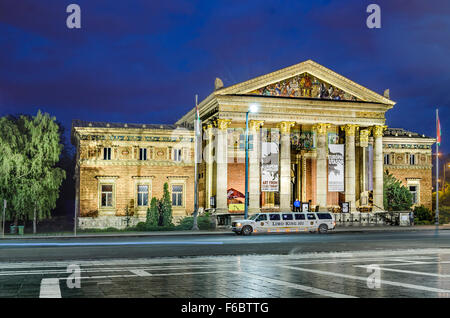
<point>299,216</point>
<point>412,159</point>
<point>311,216</point>
<point>274,217</point>
<point>413,190</point>
<point>142,192</point>
<point>106,153</point>
<point>287,217</point>
<point>324,216</point>
<point>177,195</point>
<point>262,217</point>
<point>387,159</point>
<point>142,154</point>
<point>107,195</point>
<point>177,155</point>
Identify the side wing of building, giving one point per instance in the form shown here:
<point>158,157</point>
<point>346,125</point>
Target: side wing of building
<point>120,167</point>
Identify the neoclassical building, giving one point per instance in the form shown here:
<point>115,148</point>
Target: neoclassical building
<point>316,136</point>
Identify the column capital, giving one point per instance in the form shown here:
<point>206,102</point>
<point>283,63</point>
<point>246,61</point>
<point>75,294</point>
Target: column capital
<point>350,129</point>
<point>364,137</point>
<point>255,124</point>
<point>378,130</point>
<point>321,128</point>
<point>285,126</point>
<point>222,124</point>
<point>207,126</point>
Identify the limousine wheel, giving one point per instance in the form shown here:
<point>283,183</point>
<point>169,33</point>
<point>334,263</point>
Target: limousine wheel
<point>247,230</point>
<point>323,228</point>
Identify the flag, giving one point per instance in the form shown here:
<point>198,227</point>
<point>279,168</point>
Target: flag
<point>438,130</point>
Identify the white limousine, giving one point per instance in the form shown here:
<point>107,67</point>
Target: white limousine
<point>320,222</point>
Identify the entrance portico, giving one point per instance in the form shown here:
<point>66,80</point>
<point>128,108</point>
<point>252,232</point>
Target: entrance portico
<point>304,112</point>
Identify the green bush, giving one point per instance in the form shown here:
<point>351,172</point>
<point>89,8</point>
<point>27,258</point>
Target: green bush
<point>203,223</point>
<point>396,196</point>
<point>153,213</point>
<point>423,214</point>
<point>143,226</point>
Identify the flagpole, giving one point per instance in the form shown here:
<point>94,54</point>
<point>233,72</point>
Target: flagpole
<point>437,166</point>
<point>196,132</point>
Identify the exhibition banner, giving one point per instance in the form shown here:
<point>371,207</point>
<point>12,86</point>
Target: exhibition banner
<point>336,175</point>
<point>269,167</point>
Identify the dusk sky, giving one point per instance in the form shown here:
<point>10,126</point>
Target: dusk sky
<point>142,61</point>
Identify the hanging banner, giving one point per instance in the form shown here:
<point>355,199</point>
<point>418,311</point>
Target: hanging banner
<point>336,168</point>
<point>269,167</point>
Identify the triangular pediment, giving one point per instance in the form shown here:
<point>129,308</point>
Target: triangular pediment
<point>304,85</point>
<point>306,80</point>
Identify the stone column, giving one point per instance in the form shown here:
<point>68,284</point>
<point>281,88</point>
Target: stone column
<point>285,165</point>
<point>349,168</point>
<point>209,160</point>
<point>363,143</point>
<point>378,167</point>
<point>222,165</point>
<point>254,159</point>
<point>321,171</point>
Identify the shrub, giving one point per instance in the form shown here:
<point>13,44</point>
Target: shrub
<point>396,196</point>
<point>166,207</point>
<point>153,213</point>
<point>423,214</point>
<point>143,226</point>
<point>203,223</point>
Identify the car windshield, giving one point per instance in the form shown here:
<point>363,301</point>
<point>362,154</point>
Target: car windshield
<point>254,216</point>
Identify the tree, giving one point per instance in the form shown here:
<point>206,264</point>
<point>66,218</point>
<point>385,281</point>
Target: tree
<point>166,207</point>
<point>153,213</point>
<point>396,196</point>
<point>29,179</point>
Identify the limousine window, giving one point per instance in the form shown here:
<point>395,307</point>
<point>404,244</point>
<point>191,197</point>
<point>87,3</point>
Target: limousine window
<point>262,217</point>
<point>287,217</point>
<point>299,216</point>
<point>311,216</point>
<point>274,217</point>
<point>324,216</point>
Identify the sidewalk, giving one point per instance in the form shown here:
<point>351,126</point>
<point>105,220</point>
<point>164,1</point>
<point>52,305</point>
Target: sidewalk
<point>340,229</point>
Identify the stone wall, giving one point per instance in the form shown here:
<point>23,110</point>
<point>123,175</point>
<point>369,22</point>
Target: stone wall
<point>423,176</point>
<point>125,179</point>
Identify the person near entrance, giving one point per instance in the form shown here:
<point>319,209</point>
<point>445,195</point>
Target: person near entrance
<point>297,205</point>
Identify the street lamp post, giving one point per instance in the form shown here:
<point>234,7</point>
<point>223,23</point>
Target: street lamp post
<point>252,109</point>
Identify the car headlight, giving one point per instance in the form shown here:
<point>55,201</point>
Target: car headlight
<point>238,224</point>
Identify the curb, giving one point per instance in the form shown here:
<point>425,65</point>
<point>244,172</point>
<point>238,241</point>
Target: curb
<point>339,229</point>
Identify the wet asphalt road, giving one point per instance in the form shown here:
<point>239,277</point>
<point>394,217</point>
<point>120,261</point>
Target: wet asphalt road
<point>214,245</point>
<point>336,265</point>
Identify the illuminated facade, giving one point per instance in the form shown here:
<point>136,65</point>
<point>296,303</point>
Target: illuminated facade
<point>316,136</point>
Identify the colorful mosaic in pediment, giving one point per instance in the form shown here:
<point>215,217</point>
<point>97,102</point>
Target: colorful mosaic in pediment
<point>304,85</point>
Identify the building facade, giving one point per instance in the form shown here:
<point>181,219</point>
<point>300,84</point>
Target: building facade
<point>316,136</point>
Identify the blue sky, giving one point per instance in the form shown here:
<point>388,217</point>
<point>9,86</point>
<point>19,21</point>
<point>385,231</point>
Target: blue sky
<point>143,61</point>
